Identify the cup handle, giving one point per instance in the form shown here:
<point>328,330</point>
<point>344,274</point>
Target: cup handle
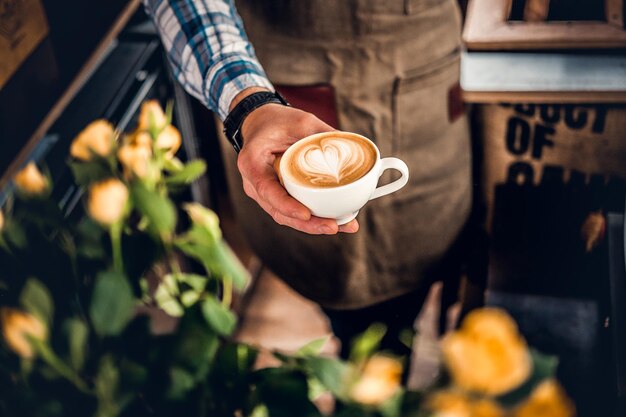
<point>391,163</point>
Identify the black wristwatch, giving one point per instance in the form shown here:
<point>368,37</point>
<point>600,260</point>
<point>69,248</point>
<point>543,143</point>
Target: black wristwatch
<point>232,124</point>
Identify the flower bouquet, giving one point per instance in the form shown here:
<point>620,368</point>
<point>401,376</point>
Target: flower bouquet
<point>123,309</point>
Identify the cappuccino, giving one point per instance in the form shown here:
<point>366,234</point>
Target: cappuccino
<point>329,160</point>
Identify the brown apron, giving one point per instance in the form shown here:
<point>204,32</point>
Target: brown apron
<point>394,67</point>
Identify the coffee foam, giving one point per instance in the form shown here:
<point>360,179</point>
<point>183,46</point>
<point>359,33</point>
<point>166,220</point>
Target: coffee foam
<point>330,160</point>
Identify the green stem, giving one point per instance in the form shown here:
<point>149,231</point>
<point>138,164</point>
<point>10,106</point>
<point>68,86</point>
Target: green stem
<point>115,231</point>
<point>171,260</point>
<point>59,366</point>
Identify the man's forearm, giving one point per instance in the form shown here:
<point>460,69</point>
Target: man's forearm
<point>208,49</point>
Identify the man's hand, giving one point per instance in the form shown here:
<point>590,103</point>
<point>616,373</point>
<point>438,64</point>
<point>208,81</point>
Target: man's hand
<point>267,132</point>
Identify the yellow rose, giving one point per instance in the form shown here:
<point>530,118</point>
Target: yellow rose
<point>107,201</point>
<point>487,354</point>
<point>30,180</point>
<point>1,220</point>
<point>169,140</point>
<point>380,380</point>
<point>16,326</point>
<point>457,404</point>
<point>135,159</point>
<point>141,138</point>
<point>151,112</point>
<point>96,138</point>
<point>547,400</point>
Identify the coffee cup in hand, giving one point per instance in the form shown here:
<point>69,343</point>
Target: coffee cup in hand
<point>335,173</point>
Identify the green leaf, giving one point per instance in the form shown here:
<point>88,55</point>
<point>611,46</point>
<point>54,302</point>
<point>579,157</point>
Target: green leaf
<point>112,304</point>
<point>89,172</point>
<point>181,382</point>
<point>189,298</point>
<point>166,296</point>
<point>36,299</point>
<point>260,411</point>
<point>217,258</point>
<point>285,393</point>
<point>173,164</point>
<point>90,242</point>
<point>167,301</point>
<point>332,373</point>
<point>393,406</point>
<point>15,235</point>
<point>170,283</point>
<point>406,337</point>
<point>219,317</point>
<point>544,365</point>
<point>172,307</point>
<point>313,348</point>
<point>133,374</point>
<point>159,210</point>
<point>195,345</point>
<point>197,282</point>
<point>234,361</point>
<point>188,174</point>
<point>367,343</point>
<point>227,265</point>
<point>412,404</point>
<point>106,386</point>
<point>77,333</point>
<point>230,378</point>
<point>316,388</point>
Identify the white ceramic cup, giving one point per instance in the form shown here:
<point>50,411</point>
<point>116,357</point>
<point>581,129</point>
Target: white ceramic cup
<point>344,202</point>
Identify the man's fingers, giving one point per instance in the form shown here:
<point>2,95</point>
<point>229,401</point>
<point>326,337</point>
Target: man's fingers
<point>270,190</point>
<point>314,226</point>
<point>350,227</point>
<point>263,178</point>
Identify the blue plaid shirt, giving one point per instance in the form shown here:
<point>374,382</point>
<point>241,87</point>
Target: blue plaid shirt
<point>208,49</point>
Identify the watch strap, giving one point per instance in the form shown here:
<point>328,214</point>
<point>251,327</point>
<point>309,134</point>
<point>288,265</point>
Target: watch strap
<point>234,121</point>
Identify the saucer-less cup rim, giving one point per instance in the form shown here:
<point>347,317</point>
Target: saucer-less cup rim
<point>353,195</point>
<point>290,150</point>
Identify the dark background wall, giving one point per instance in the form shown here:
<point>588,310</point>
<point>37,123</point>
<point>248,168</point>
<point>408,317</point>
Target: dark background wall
<point>76,27</point>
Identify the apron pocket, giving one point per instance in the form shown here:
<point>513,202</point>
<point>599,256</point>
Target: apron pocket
<point>418,6</point>
<point>422,102</point>
<point>400,7</point>
<point>428,132</point>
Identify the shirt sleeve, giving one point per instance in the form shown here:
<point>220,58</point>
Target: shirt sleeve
<point>208,49</point>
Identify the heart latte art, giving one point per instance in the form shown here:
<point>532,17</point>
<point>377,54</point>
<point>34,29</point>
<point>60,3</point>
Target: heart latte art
<point>330,160</point>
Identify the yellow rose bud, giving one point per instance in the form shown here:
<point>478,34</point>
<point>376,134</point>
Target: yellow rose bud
<point>487,354</point>
<point>151,112</point>
<point>547,400</point>
<point>449,404</point>
<point>141,138</point>
<point>169,140</point>
<point>1,220</point>
<point>135,159</point>
<point>457,404</point>
<point>97,137</point>
<point>379,381</point>
<point>17,326</point>
<point>107,201</point>
<point>204,217</point>
<point>30,180</point>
